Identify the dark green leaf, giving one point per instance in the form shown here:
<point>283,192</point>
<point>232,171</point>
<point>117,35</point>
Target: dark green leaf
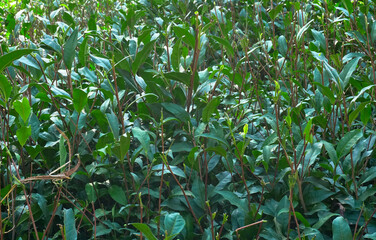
<point>225,43</point>
<point>8,58</point>
<point>69,225</point>
<point>62,152</point>
<point>142,227</point>
<point>177,110</point>
<point>209,109</point>
<point>141,56</point>
<point>347,142</point>
<point>354,114</point>
<point>90,192</point>
<point>70,49</point>
<point>5,87</point>
<point>114,123</point>
<point>83,53</point>
<point>341,229</point>
<point>175,55</point>
<point>174,223</point>
<point>118,194</point>
<point>142,136</point>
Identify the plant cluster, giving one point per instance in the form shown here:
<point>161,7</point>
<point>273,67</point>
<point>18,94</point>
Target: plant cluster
<point>187,119</point>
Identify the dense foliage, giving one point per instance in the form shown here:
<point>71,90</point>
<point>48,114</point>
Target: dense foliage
<point>187,119</point>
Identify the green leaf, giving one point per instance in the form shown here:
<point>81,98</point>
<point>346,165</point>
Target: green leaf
<point>8,58</point>
<point>326,91</point>
<point>70,49</point>
<point>348,141</point>
<point>142,227</point>
<point>23,108</point>
<point>275,11</point>
<point>62,152</point>
<point>142,136</point>
<point>114,124</point>
<point>121,148</point>
<point>69,19</point>
<point>235,200</point>
<point>175,55</point>
<point>177,110</point>
<point>225,43</point>
<point>174,223</point>
<point>118,194</point>
<point>185,35</point>
<point>141,56</point>
<point>331,151</point>
<point>282,45</point>
<point>354,114</point>
<point>79,99</point>
<point>90,192</point>
<point>69,225</point>
<point>349,6</point>
<point>303,30</point>
<point>5,88</point>
<point>370,175</point>
<point>319,36</point>
<point>307,132</point>
<point>92,23</point>
<point>366,114</point>
<point>83,53</point>
<point>348,70</point>
<point>341,229</point>
<point>23,134</point>
<point>373,32</point>
<point>209,109</point>
<point>212,136</point>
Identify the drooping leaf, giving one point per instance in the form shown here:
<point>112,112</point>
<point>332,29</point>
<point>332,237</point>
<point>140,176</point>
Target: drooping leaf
<point>142,227</point>
<point>8,58</point>
<point>354,114</point>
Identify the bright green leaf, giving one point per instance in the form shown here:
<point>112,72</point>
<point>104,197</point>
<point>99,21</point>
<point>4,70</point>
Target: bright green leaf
<point>23,108</point>
<point>23,134</point>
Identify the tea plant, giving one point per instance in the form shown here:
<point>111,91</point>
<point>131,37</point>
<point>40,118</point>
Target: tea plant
<point>187,119</point>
